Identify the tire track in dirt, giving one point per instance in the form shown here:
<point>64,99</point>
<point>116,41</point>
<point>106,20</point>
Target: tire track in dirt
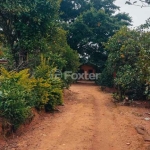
<point>88,121</point>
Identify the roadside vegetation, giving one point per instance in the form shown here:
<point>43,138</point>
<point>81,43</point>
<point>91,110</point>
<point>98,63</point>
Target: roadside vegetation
<point>40,37</point>
<point>127,67</point>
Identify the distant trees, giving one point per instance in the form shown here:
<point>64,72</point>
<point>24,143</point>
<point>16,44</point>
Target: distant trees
<point>89,24</point>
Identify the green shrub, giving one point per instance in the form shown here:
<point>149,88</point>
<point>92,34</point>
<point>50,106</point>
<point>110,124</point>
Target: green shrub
<point>48,89</point>
<point>15,88</point>
<point>19,92</point>
<point>106,78</point>
<point>67,81</point>
<point>128,57</point>
<point>55,98</point>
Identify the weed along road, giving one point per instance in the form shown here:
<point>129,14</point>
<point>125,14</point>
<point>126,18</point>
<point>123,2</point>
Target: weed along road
<point>89,120</point>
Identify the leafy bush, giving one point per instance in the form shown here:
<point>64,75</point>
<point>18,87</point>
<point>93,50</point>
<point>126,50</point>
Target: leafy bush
<point>48,87</point>
<point>129,58</point>
<point>55,98</point>
<point>106,78</point>
<point>144,62</point>
<point>19,92</point>
<point>67,81</point>
<point>128,82</point>
<point>15,89</point>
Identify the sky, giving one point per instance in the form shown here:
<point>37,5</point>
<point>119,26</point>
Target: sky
<point>138,14</point>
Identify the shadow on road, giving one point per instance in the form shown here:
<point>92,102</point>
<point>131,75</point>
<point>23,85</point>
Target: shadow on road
<point>86,83</point>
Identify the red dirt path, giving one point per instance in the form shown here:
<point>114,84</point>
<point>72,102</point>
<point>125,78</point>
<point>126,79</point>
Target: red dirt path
<point>89,120</point>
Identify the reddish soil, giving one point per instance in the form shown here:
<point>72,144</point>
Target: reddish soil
<point>89,120</point>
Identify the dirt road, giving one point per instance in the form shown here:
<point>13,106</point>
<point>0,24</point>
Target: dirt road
<point>89,120</point>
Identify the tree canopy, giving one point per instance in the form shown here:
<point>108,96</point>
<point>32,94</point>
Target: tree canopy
<point>91,28</point>
<point>72,9</point>
<point>26,23</point>
<point>33,27</point>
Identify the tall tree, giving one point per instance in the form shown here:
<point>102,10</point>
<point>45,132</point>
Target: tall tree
<point>90,30</point>
<point>70,9</point>
<point>92,23</point>
<point>26,23</point>
<point>107,5</point>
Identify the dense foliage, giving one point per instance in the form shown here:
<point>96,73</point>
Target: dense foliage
<point>19,92</point>
<point>129,59</point>
<point>92,25</point>
<point>15,89</point>
<point>30,28</point>
<point>48,89</point>
<point>25,24</point>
